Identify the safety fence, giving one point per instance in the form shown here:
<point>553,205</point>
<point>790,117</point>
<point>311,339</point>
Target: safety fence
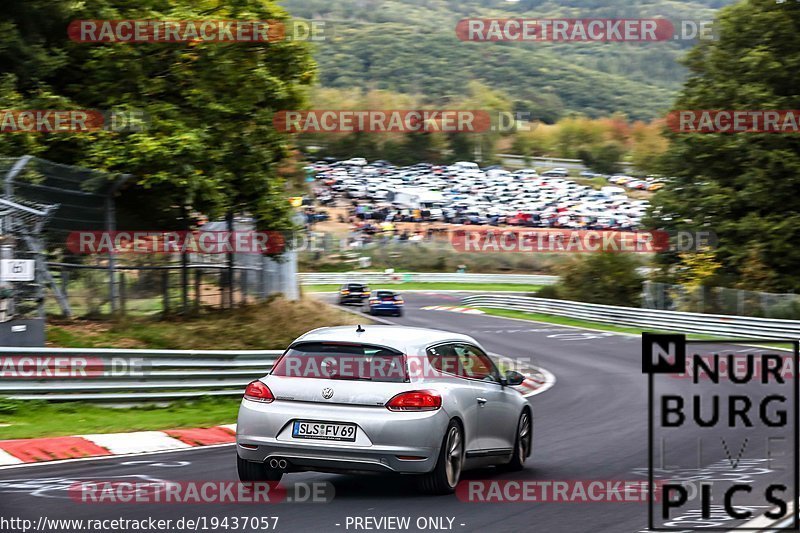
<point>322,278</point>
<point>647,319</point>
<point>720,300</point>
<point>124,376</point>
<point>96,375</point>
<point>169,288</point>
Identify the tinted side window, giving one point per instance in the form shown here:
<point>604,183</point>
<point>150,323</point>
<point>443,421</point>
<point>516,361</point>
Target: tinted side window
<point>444,358</point>
<point>476,364</point>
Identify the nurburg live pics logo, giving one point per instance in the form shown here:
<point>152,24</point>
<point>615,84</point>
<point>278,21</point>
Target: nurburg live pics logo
<point>739,407</point>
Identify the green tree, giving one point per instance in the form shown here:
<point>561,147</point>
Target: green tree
<point>209,145</point>
<point>744,187</point>
<point>602,278</point>
<point>604,158</point>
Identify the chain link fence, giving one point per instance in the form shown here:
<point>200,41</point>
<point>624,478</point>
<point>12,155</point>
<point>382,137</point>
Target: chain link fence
<point>720,300</point>
<point>45,205</point>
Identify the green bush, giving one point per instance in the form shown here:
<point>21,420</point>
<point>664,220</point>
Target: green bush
<point>604,278</point>
<point>784,310</point>
<point>548,291</point>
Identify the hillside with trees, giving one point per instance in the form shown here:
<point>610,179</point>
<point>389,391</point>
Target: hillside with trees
<point>410,46</point>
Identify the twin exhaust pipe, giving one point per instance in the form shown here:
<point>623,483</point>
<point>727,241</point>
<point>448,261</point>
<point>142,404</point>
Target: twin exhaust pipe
<point>279,464</point>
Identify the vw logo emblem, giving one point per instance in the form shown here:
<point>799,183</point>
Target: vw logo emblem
<point>327,393</point>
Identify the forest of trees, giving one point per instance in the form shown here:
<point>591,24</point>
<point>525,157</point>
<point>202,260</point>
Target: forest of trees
<point>209,145</point>
<point>410,46</point>
<point>744,187</point>
<point>578,137</point>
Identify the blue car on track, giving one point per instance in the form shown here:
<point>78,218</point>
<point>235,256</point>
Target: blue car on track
<point>382,301</point>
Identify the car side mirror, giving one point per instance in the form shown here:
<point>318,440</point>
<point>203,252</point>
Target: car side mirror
<point>514,378</point>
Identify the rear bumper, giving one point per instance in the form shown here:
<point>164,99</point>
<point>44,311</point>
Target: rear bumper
<point>351,298</point>
<point>325,459</point>
<point>384,308</point>
<point>383,437</point>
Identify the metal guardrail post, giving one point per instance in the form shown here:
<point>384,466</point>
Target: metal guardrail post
<point>198,273</point>
<point>123,293</point>
<point>165,290</point>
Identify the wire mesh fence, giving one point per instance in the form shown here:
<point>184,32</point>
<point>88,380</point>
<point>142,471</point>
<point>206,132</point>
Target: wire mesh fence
<point>44,207</point>
<point>720,300</point>
<point>166,289</point>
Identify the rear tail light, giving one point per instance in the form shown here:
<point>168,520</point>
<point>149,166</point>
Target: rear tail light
<point>345,292</point>
<point>258,392</point>
<point>373,300</point>
<point>399,301</point>
<point>418,400</point>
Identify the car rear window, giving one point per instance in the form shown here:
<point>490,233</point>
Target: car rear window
<point>342,361</point>
<point>355,287</point>
<point>385,294</point>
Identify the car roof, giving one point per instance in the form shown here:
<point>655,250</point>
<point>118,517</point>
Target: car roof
<point>401,338</point>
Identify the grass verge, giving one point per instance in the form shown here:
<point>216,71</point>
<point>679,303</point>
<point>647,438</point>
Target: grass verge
<point>270,325</point>
<point>30,419</point>
<point>576,322</point>
<point>444,286</point>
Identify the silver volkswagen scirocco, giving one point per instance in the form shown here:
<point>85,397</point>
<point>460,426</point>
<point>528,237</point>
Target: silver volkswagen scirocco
<point>387,399</point>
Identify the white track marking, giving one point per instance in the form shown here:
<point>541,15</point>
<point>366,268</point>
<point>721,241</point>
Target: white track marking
<point>8,459</point>
<point>139,441</point>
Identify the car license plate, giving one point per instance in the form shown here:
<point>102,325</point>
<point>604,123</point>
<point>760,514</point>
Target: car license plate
<point>304,429</point>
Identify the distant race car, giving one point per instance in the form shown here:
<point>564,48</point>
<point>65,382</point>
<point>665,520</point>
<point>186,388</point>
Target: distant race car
<point>383,301</point>
<point>353,292</point>
<point>386,399</point>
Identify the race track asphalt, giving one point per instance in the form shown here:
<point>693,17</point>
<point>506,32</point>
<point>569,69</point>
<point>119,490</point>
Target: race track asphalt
<point>592,425</point>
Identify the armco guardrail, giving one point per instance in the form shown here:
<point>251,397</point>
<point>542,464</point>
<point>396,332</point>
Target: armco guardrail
<point>110,375</point>
<point>128,375</point>
<point>322,278</point>
<point>647,319</point>
<point>514,160</point>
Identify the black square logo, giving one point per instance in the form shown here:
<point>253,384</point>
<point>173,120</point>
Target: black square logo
<point>663,353</point>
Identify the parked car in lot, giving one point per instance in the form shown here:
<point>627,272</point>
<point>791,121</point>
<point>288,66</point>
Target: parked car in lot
<point>353,292</point>
<point>383,301</point>
<point>464,193</point>
<point>385,399</point>
<point>556,173</point>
